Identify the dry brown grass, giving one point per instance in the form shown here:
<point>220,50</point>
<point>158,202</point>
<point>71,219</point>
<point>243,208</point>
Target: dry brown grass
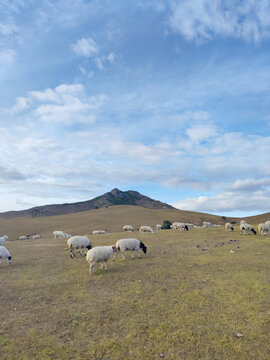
<point>177,302</point>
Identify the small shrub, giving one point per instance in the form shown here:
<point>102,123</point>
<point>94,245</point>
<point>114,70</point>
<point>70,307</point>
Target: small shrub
<point>166,224</point>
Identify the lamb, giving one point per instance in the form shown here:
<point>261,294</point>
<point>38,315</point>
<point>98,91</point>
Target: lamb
<point>99,232</point>
<point>263,229</point>
<point>3,239</point>
<point>146,229</point>
<point>229,227</point>
<point>128,228</point>
<point>158,227</point>
<point>35,237</point>
<point>78,242</point>
<point>99,254</point>
<point>130,245</point>
<point>247,228</point>
<point>59,234</point>
<point>4,254</point>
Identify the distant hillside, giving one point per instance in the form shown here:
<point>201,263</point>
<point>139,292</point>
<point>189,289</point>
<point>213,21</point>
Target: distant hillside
<point>114,197</point>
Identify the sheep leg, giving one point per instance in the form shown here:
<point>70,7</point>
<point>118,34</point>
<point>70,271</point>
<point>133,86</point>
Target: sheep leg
<point>123,255</point>
<point>132,256</point>
<point>91,271</point>
<point>80,251</point>
<point>106,267</point>
<point>139,255</point>
<point>114,257</point>
<point>101,266</point>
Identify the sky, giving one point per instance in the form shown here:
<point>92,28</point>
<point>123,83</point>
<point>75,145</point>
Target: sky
<point>168,98</point>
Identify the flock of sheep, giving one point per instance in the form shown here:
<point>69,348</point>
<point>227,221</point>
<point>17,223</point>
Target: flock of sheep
<point>101,254</point>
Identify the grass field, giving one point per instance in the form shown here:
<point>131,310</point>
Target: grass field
<point>179,301</point>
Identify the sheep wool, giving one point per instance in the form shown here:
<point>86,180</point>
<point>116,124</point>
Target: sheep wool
<point>3,239</point>
<point>78,242</point>
<point>129,244</point>
<point>99,254</point>
<point>4,254</point>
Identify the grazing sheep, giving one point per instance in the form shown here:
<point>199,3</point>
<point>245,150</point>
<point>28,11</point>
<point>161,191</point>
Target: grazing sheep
<point>59,234</point>
<point>207,224</point>
<point>3,239</point>
<point>263,229</point>
<point>24,237</point>
<point>158,227</point>
<point>99,232</point>
<point>35,237</point>
<point>4,254</point>
<point>78,242</point>
<point>130,245</point>
<point>99,254</point>
<point>179,226</point>
<point>146,229</point>
<point>229,227</point>
<point>128,228</point>
<point>246,228</point>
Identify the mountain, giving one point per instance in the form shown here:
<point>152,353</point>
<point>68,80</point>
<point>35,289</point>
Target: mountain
<point>114,197</point>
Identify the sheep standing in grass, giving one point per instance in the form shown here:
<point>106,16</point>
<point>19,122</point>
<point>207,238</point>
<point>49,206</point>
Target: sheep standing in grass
<point>146,229</point>
<point>207,224</point>
<point>59,234</point>
<point>24,237</point>
<point>263,229</point>
<point>99,254</point>
<point>4,254</point>
<point>99,232</point>
<point>158,227</point>
<point>35,237</point>
<point>128,228</point>
<point>78,242</point>
<point>3,239</point>
<point>130,245</point>
<point>267,223</point>
<point>246,229</point>
<point>229,227</point>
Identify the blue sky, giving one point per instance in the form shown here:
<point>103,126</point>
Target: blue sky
<point>169,98</point>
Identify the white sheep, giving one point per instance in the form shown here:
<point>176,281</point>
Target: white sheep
<point>4,254</point>
<point>267,223</point>
<point>158,227</point>
<point>3,239</point>
<point>146,229</point>
<point>99,232</point>
<point>24,237</point>
<point>60,234</point>
<point>246,228</point>
<point>78,242</point>
<point>129,244</point>
<point>35,237</point>
<point>128,228</point>
<point>99,254</point>
<point>207,224</point>
<point>229,227</point>
<point>179,226</point>
<point>263,229</point>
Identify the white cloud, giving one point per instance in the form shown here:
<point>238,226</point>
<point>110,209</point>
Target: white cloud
<point>201,20</point>
<point>7,56</point>
<point>111,57</point>
<point>85,47</point>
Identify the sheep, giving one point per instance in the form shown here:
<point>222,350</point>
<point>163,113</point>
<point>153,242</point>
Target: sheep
<point>229,227</point>
<point>158,227</point>
<point>247,228</point>
<point>59,234</point>
<point>263,229</point>
<point>35,237</point>
<point>99,254</point>
<point>24,237</point>
<point>4,254</point>
<point>3,239</point>
<point>243,222</point>
<point>130,245</point>
<point>146,229</point>
<point>267,223</point>
<point>99,232</point>
<point>216,226</point>
<point>128,228</point>
<point>179,226</point>
<point>207,224</point>
<point>190,226</point>
<point>78,242</point>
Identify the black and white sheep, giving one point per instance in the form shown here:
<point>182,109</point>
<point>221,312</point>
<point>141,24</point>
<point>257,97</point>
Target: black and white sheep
<point>99,254</point>
<point>4,254</point>
<point>229,227</point>
<point>78,242</point>
<point>128,228</point>
<point>246,229</point>
<point>129,244</point>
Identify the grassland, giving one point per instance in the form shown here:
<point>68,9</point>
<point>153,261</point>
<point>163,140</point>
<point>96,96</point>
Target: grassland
<point>179,301</point>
